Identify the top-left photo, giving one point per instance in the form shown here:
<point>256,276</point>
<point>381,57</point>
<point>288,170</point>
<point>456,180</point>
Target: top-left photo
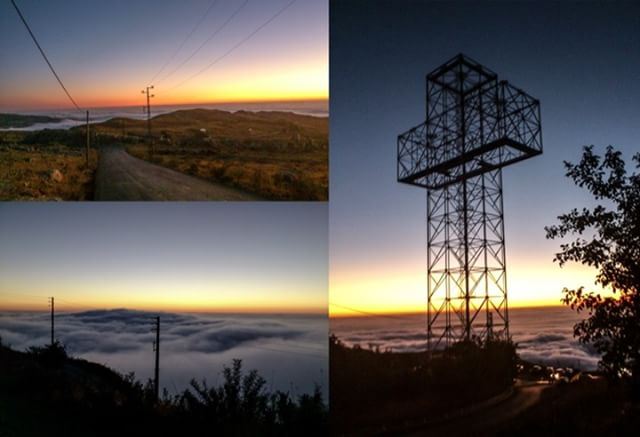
<point>208,100</point>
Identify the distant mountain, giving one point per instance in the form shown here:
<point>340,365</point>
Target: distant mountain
<point>18,120</point>
<point>240,126</point>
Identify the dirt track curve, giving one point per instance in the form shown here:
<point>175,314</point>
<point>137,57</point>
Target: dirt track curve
<point>481,420</point>
<point>121,176</point>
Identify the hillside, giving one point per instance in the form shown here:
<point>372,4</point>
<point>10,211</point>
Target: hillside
<point>17,120</point>
<point>240,126</point>
<point>45,392</point>
<point>274,155</point>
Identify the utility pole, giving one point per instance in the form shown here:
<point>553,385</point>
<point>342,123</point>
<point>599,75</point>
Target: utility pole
<point>52,311</point>
<point>156,348</point>
<point>148,109</point>
<point>87,151</point>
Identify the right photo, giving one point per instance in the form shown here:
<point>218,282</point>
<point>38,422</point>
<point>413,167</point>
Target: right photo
<point>483,228</point>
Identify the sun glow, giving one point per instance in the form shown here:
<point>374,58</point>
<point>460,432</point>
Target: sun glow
<point>396,290</point>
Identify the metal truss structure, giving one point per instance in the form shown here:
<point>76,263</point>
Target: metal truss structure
<point>475,125</point>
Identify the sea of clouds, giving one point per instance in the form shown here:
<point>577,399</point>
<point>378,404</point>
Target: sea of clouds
<point>289,351</point>
<point>543,335</point>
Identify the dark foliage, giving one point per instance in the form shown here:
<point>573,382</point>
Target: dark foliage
<point>370,388</point>
<point>607,238</point>
<point>68,137</point>
<point>74,397</point>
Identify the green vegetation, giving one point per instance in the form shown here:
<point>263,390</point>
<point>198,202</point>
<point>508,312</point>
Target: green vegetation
<point>373,390</point>
<point>18,120</point>
<point>608,238</point>
<point>45,392</point>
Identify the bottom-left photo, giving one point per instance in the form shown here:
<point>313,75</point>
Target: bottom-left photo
<point>163,319</point>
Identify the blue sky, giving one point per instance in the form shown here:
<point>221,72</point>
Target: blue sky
<point>580,59</point>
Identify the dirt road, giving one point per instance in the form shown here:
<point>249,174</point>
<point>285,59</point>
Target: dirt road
<point>481,420</point>
<point>121,176</point>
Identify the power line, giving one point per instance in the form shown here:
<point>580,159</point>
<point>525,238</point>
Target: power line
<point>367,313</point>
<point>44,55</point>
<point>218,30</point>
<point>240,43</point>
<point>171,58</point>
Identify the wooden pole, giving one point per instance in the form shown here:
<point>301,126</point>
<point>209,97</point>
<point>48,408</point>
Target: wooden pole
<point>157,368</point>
<point>87,151</point>
<point>52,325</point>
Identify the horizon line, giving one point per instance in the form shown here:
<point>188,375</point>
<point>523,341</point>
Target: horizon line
<point>229,312</point>
<point>226,102</point>
<point>354,314</point>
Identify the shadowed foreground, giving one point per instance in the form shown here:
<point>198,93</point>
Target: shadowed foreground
<point>121,176</point>
<point>45,392</point>
<point>469,390</point>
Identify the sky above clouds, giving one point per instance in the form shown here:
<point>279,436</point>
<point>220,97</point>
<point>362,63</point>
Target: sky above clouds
<point>192,256</point>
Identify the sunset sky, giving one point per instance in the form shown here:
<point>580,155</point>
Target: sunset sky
<point>580,61</point>
<point>107,51</point>
<point>201,256</point>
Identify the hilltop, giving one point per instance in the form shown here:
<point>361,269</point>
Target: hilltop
<point>240,126</point>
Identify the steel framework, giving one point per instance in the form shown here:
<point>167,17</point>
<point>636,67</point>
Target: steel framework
<point>475,125</point>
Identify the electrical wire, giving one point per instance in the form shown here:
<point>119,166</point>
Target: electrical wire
<point>44,55</point>
<point>206,41</point>
<point>237,45</point>
<point>366,313</point>
<point>184,41</point>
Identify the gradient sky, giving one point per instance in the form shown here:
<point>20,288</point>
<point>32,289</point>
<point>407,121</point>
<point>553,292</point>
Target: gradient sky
<point>582,60</point>
<point>209,256</point>
<point>107,51</point>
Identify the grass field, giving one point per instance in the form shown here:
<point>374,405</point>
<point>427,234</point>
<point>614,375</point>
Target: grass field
<point>277,155</point>
<point>45,173</point>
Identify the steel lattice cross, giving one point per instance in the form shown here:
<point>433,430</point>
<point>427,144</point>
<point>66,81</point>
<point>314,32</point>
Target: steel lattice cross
<point>475,125</point>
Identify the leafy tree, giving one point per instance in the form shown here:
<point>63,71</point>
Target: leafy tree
<point>607,238</point>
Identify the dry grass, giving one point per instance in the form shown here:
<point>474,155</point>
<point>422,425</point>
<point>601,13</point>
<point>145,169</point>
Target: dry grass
<point>26,173</point>
<point>269,174</point>
<point>277,155</point>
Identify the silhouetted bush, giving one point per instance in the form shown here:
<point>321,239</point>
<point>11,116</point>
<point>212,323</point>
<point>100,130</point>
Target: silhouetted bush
<point>74,397</point>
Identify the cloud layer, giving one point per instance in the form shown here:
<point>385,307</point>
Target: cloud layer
<point>290,351</point>
<point>543,336</point>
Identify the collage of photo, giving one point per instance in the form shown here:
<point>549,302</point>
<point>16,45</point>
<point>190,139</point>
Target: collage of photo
<point>296,218</point>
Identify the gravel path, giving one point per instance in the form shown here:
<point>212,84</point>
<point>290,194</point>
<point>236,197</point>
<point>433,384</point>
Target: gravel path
<point>121,176</point>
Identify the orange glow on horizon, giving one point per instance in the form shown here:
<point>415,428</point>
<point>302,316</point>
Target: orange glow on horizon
<point>398,288</point>
<point>62,305</point>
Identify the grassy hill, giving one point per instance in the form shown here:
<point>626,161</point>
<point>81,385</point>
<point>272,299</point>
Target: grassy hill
<point>284,128</point>
<point>277,155</point>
